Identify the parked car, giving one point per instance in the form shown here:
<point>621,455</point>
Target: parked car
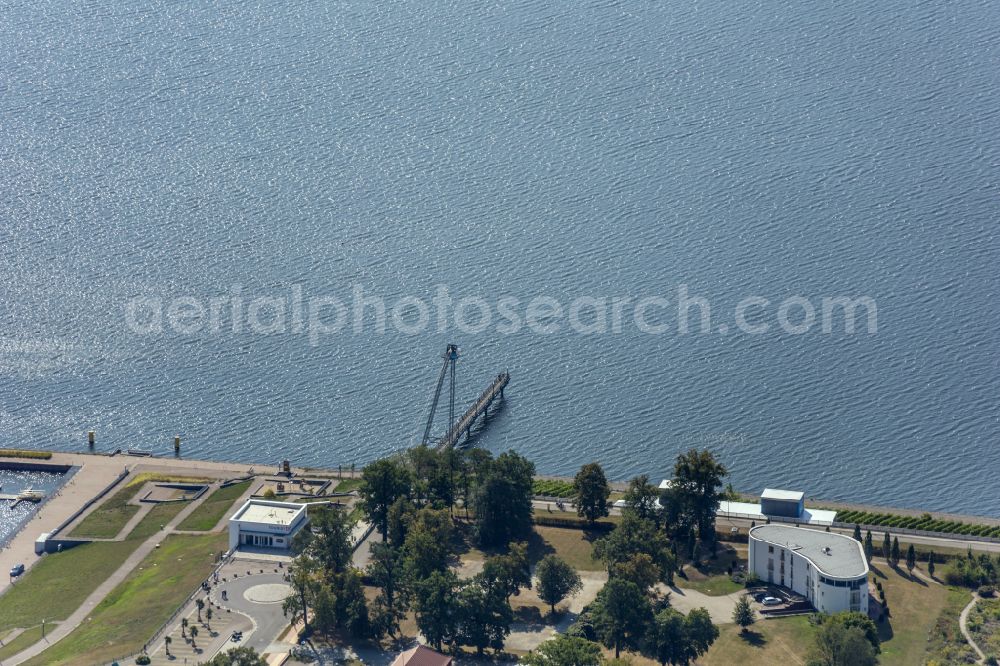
<point>16,570</point>
<point>771,601</point>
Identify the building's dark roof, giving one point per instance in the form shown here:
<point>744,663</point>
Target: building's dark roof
<point>422,656</point>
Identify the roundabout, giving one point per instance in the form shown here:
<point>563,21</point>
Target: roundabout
<point>268,593</point>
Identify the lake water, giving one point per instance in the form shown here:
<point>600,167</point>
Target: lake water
<point>13,482</point>
<point>519,149</point>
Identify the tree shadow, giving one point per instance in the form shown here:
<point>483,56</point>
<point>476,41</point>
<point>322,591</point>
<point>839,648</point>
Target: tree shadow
<point>885,631</point>
<point>538,547</point>
<point>528,615</point>
<point>877,571</point>
<point>753,638</point>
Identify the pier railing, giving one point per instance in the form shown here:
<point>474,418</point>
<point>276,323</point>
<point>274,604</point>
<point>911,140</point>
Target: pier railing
<point>478,408</point>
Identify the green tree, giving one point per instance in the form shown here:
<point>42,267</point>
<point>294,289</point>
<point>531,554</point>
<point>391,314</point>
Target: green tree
<point>399,518</point>
<point>887,548</point>
<point>640,569</point>
<point>743,613</point>
<point>911,558</point>
<point>484,618</point>
<point>184,626</point>
<point>696,489</point>
<point>386,573</point>
<point>857,532</point>
<point>632,536</point>
<point>208,618</point>
<point>167,640</point>
<point>502,502</point>
<point>300,573</point>
<point>641,499</point>
<point>351,604</point>
<point>894,553</point>
<point>193,631</point>
<point>323,603</point>
<point>436,607</point>
<point>701,631</point>
<point>199,604</point>
<point>869,546</point>
<point>861,621</point>
<point>238,656</point>
<point>507,574</point>
<point>563,650</point>
<point>329,539</point>
<point>428,543</point>
<point>382,483</point>
<point>667,641</point>
<point>839,645</point>
<point>930,563</point>
<point>591,492</point>
<point>621,614</point>
<point>556,581</point>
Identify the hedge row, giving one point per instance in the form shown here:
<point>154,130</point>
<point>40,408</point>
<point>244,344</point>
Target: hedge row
<point>925,522</point>
<point>21,453</point>
<point>553,488</point>
<point>572,522</point>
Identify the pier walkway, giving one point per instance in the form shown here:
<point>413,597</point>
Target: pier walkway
<point>479,408</point>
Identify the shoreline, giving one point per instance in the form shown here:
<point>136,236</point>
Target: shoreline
<point>165,463</point>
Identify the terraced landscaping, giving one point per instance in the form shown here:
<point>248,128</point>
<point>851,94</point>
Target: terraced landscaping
<point>108,519</point>
<point>214,507</point>
<point>130,614</point>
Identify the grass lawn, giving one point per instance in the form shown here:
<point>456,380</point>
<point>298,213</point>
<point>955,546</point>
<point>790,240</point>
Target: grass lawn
<point>25,640</point>
<point>574,546</point>
<point>780,641</point>
<point>141,603</point>
<point>214,507</point>
<point>155,520</point>
<point>710,576</point>
<point>109,518</point>
<point>347,485</point>
<point>58,584</point>
<point>915,607</point>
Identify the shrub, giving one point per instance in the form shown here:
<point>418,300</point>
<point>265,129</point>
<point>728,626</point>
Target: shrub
<point>986,591</point>
<point>571,522</point>
<point>552,488</point>
<point>142,660</point>
<point>22,453</point>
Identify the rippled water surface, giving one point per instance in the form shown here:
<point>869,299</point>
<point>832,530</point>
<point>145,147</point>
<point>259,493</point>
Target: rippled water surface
<point>512,148</point>
<point>13,482</point>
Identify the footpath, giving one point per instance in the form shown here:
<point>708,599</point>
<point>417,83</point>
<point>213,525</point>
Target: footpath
<point>65,627</point>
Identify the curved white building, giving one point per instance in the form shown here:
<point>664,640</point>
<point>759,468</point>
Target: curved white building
<point>828,569</point>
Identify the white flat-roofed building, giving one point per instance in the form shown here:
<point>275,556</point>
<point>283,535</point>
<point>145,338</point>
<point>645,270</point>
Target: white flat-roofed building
<point>828,569</point>
<point>788,503</point>
<point>266,524</point>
